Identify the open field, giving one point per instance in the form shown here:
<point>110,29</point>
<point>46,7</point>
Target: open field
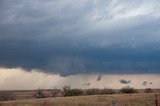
<point>30,94</point>
<point>138,99</point>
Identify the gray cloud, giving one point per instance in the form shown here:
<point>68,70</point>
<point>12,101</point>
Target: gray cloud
<point>123,81</point>
<point>84,36</point>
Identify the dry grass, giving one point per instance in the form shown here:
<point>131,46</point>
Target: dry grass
<point>140,99</point>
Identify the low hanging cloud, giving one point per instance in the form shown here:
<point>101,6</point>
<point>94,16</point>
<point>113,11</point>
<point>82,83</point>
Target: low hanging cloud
<point>19,79</point>
<point>146,83</point>
<point>87,36</point>
<point>123,81</point>
<point>99,77</point>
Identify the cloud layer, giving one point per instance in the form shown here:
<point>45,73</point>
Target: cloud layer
<point>9,80</point>
<point>86,36</point>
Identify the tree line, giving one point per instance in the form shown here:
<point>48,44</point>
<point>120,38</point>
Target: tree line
<point>68,91</point>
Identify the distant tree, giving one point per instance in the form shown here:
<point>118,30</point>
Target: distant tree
<point>148,90</point>
<point>92,91</point>
<point>4,96</point>
<point>107,91</point>
<point>54,92</point>
<point>67,91</point>
<point>128,90</point>
<point>76,92</point>
<point>40,93</point>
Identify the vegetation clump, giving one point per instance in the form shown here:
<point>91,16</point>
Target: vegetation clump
<point>67,91</point>
<point>5,96</point>
<point>107,91</point>
<point>128,90</point>
<point>92,91</point>
<point>148,90</point>
<point>55,92</point>
<point>40,93</point>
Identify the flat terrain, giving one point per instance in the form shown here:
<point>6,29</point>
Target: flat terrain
<point>30,94</point>
<point>139,99</point>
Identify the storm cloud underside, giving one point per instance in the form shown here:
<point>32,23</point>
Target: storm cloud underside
<point>87,36</point>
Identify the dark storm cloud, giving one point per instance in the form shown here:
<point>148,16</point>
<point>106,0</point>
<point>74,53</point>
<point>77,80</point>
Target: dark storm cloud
<point>87,36</point>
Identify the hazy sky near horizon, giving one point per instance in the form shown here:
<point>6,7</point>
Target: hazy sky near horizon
<point>19,79</point>
<point>69,37</point>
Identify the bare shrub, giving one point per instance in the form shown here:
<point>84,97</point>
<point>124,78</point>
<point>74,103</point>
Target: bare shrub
<point>92,91</point>
<point>5,96</point>
<point>107,91</point>
<point>55,92</point>
<point>76,92</point>
<point>67,91</point>
<point>40,93</point>
<point>148,90</point>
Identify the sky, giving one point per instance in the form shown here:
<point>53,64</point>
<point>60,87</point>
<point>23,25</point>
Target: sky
<point>75,37</point>
<point>20,79</point>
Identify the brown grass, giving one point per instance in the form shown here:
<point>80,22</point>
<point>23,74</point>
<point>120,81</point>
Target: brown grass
<point>140,99</point>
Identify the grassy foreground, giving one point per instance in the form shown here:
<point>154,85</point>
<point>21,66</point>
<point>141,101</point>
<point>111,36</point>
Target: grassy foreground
<point>139,99</point>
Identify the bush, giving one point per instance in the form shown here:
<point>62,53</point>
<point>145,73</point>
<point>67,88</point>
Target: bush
<point>67,91</point>
<point>77,92</point>
<point>107,91</point>
<point>55,92</point>
<point>93,91</point>
<point>40,93</point>
<point>148,90</point>
<point>4,96</point>
<point>128,90</point>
